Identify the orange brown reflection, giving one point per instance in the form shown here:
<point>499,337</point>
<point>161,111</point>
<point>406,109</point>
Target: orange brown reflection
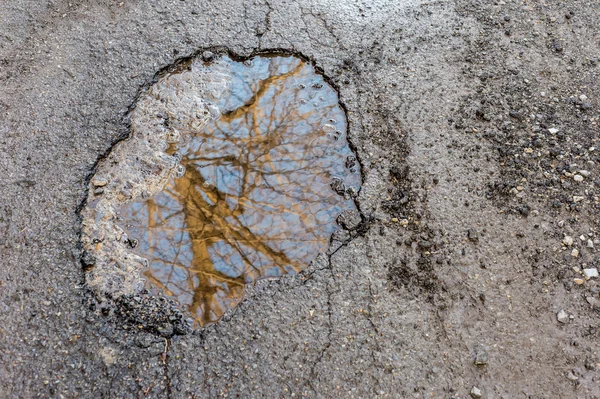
<point>260,192</point>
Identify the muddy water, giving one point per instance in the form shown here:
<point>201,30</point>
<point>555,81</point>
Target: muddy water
<point>257,190</point>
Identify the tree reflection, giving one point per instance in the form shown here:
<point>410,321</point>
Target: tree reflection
<point>255,200</point>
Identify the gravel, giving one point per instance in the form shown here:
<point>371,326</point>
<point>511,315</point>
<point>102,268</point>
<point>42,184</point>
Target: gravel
<point>562,317</point>
<point>590,272</point>
<point>476,392</point>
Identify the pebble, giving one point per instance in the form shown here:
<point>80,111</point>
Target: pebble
<point>208,56</point>
<point>585,173</point>
<point>575,252</point>
<point>572,376</point>
<point>568,241</point>
<point>578,198</point>
<point>553,130</point>
<point>578,178</point>
<point>591,272</point>
<point>481,356</point>
<point>562,317</point>
<point>590,243</point>
<point>475,392</point>
<point>583,97</point>
<point>88,259</point>
<point>516,115</point>
<point>578,281</point>
<point>590,365</point>
<point>99,182</point>
<point>595,302</point>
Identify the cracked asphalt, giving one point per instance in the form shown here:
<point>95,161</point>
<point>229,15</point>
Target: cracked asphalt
<point>471,121</point>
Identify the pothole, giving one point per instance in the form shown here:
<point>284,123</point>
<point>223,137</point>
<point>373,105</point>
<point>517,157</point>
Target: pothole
<point>235,170</point>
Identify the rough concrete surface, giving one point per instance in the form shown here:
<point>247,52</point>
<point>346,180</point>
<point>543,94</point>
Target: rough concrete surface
<point>476,124</point>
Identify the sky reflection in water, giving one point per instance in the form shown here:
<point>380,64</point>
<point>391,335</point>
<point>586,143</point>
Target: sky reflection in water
<point>255,200</point>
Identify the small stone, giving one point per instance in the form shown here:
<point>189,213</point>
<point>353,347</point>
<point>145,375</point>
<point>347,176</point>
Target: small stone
<point>591,272</point>
<point>578,281</point>
<point>572,376</point>
<point>208,56</point>
<point>480,355</point>
<point>585,173</point>
<point>98,191</point>
<point>590,365</point>
<point>88,259</point>
<point>516,115</point>
<point>403,222</point>
<point>578,198</point>
<point>583,97</point>
<point>553,130</point>
<point>586,106</point>
<point>575,252</point>
<point>578,178</point>
<point>595,302</point>
<point>590,243</point>
<point>562,317</point>
<point>475,392</point>
<point>99,182</point>
<point>568,241</point>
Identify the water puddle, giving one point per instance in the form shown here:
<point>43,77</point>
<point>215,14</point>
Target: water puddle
<point>235,171</point>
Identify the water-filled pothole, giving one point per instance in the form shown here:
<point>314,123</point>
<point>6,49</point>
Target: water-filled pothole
<point>235,170</point>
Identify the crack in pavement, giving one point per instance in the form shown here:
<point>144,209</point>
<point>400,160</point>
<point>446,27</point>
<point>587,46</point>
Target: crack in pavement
<point>319,17</point>
<point>313,372</point>
<point>166,365</point>
<point>267,23</point>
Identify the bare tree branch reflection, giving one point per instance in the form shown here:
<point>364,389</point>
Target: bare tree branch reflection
<point>255,200</point>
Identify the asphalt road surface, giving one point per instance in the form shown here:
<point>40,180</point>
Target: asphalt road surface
<point>476,124</point>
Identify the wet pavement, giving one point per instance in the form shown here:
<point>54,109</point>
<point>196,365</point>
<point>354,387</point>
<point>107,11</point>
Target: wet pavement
<point>470,120</point>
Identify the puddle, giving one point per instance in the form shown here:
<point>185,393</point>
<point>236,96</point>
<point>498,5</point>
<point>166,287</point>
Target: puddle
<point>235,171</point>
